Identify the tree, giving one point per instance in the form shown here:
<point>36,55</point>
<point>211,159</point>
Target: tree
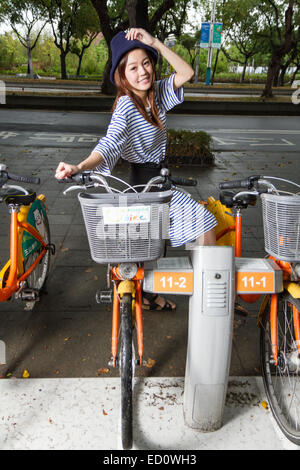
<point>68,19</point>
<point>61,15</point>
<point>240,22</point>
<point>280,18</point>
<point>119,15</point>
<point>24,17</point>
<point>86,29</point>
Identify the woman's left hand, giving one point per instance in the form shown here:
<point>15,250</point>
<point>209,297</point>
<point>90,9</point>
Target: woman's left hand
<point>141,35</point>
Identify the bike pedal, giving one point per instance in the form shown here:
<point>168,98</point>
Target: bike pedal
<point>104,296</point>
<point>138,362</point>
<point>111,363</point>
<point>240,310</point>
<point>51,248</point>
<point>31,295</point>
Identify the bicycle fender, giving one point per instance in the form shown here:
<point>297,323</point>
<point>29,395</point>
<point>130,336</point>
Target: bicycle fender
<point>126,287</point>
<point>293,288</point>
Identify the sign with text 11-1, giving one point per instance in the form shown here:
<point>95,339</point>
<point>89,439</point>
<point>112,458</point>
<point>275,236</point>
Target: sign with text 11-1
<point>217,35</point>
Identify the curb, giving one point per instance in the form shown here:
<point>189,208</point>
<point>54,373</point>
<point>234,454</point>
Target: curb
<point>92,103</point>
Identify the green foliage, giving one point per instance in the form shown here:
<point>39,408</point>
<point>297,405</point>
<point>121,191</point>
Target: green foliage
<point>12,54</point>
<point>181,143</point>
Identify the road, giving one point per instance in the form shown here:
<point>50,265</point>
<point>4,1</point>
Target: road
<point>83,129</point>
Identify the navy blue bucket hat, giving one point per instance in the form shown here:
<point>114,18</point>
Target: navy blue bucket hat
<point>120,45</point>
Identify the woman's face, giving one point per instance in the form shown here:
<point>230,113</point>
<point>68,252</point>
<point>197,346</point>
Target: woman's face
<point>139,71</point>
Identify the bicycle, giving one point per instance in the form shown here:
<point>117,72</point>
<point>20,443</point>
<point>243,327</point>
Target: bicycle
<point>279,313</point>
<point>25,273</point>
<point>125,230</point>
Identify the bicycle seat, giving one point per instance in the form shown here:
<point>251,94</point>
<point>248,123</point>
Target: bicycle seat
<point>11,196</point>
<point>227,198</point>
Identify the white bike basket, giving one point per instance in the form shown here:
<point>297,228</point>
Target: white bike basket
<point>126,227</point>
<point>281,220</point>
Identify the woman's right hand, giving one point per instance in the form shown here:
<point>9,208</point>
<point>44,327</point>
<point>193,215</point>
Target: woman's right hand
<point>65,170</point>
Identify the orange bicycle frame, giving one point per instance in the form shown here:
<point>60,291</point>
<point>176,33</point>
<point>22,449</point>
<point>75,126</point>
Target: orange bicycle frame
<point>296,320</point>
<point>15,276</point>
<point>116,314</point>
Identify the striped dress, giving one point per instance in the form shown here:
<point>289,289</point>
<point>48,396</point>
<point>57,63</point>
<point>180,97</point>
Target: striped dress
<point>134,139</point>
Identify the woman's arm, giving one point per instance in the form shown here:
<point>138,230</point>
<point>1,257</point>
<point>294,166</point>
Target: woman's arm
<point>184,71</point>
<point>64,170</point>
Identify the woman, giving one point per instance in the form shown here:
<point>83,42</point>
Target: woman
<point>137,133</point>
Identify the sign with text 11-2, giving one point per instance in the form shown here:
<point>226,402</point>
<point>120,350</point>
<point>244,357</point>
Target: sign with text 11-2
<point>217,35</point>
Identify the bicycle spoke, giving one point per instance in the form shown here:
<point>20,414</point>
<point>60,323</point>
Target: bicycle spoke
<point>282,382</point>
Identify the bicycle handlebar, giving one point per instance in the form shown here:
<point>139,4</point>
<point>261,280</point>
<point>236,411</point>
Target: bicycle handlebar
<point>247,183</point>
<point>87,176</point>
<point>4,175</point>
<point>177,180</point>
<point>24,179</point>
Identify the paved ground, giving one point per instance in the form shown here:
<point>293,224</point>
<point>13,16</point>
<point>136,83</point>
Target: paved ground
<point>84,414</point>
<point>67,336</point>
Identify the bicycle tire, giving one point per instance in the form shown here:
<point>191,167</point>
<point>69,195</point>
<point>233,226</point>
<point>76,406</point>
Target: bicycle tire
<point>282,382</point>
<point>126,371</point>
<point>37,279</point>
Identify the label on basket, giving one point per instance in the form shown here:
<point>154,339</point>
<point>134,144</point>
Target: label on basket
<point>126,215</point>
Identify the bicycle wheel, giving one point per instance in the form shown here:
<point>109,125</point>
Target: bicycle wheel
<point>282,382</point>
<point>126,370</point>
<point>37,278</point>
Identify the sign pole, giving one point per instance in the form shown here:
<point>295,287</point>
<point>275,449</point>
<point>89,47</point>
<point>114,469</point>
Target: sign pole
<point>209,55</point>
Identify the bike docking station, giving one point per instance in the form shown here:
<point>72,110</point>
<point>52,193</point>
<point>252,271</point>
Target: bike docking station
<point>211,276</point>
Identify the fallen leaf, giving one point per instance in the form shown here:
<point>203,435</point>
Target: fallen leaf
<point>25,374</point>
<point>96,278</point>
<point>103,370</point>
<point>50,421</point>
<point>150,362</point>
<point>104,412</point>
<point>67,338</point>
<point>265,405</point>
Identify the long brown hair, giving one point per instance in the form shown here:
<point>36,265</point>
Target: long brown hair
<point>124,88</point>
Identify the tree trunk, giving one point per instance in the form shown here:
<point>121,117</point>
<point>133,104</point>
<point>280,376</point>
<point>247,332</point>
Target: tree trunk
<point>282,73</point>
<point>294,74</point>
<point>244,70</point>
<point>63,67</point>
<point>215,66</point>
<point>138,13</point>
<point>29,67</point>
<point>159,67</point>
<point>276,76</point>
<point>280,51</point>
<point>79,64</point>
<point>273,69</point>
<point>107,88</point>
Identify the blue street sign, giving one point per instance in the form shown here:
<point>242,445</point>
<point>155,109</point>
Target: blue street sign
<point>204,37</point>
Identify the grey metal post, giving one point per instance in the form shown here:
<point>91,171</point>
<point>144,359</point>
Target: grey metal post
<point>209,337</point>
